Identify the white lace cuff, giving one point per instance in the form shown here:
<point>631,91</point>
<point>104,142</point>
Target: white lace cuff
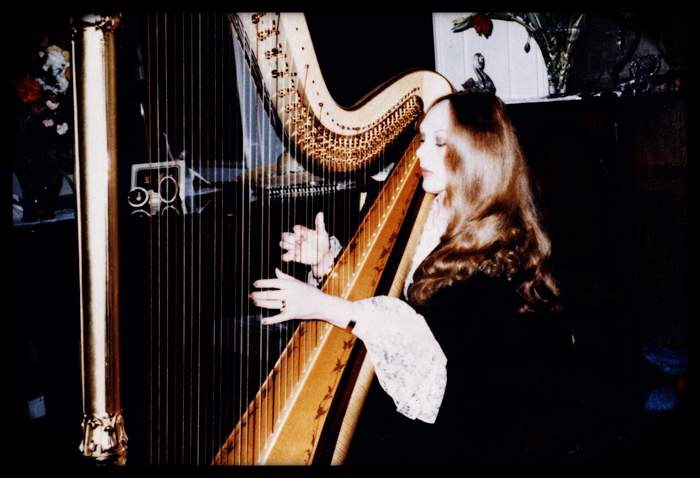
<point>409,363</point>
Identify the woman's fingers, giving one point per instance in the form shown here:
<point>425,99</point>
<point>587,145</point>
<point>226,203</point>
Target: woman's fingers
<point>288,245</point>
<point>282,275</point>
<point>259,295</point>
<point>290,239</point>
<point>281,282</point>
<point>320,225</point>
<point>276,319</point>
<point>301,231</point>
<point>289,256</point>
<point>268,283</point>
<point>268,304</point>
<point>283,288</point>
<point>292,243</point>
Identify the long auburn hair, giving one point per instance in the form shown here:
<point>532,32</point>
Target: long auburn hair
<point>495,227</point>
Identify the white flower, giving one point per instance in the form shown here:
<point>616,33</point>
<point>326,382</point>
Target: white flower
<point>57,62</point>
<point>51,104</point>
<point>62,128</point>
<point>48,122</point>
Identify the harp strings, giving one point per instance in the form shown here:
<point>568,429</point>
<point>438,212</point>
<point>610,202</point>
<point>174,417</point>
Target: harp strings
<point>248,113</point>
<point>266,397</point>
<point>198,312</point>
<point>208,354</point>
<point>151,432</point>
<point>259,428</point>
<point>218,225</point>
<point>259,111</point>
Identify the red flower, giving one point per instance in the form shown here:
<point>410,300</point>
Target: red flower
<point>28,90</point>
<point>482,25</point>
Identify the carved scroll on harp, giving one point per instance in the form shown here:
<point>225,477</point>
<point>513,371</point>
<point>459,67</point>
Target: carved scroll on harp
<point>329,138</point>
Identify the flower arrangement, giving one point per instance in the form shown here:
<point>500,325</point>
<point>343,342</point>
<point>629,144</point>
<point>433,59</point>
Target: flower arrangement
<point>554,33</point>
<point>44,152</point>
<point>45,94</point>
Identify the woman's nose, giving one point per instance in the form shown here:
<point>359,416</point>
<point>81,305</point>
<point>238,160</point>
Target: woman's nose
<point>423,158</point>
<point>420,152</point>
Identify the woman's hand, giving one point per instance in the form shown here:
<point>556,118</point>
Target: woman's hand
<point>309,246</point>
<point>298,300</point>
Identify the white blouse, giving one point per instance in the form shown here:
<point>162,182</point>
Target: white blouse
<point>409,363</point>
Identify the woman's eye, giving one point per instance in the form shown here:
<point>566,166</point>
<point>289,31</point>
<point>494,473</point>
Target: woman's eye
<point>440,144</point>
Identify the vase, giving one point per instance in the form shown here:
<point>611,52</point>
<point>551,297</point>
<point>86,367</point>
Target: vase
<point>41,182</point>
<point>556,43</point>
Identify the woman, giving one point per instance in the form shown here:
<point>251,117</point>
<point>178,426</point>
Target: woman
<point>470,357</point>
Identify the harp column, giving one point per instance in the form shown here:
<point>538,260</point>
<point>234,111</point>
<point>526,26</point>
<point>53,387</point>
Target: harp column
<point>94,92</point>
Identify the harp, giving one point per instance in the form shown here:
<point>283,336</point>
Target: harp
<point>241,140</point>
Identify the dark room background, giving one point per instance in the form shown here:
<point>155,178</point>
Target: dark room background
<point>613,179</point>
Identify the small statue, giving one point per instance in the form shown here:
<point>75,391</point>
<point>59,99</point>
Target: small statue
<point>482,83</point>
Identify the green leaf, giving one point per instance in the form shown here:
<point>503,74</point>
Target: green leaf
<point>461,24</point>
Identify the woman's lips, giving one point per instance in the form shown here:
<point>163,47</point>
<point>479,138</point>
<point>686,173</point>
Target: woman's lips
<point>425,172</point>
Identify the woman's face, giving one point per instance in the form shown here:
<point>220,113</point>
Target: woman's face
<point>432,150</point>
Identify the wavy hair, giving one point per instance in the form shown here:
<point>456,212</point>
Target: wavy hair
<point>495,227</point>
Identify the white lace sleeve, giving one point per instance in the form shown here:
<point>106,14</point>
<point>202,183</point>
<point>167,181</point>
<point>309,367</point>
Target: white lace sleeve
<point>408,361</point>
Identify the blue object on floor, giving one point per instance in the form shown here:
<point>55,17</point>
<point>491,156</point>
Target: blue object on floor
<point>666,359</point>
<point>662,399</point>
